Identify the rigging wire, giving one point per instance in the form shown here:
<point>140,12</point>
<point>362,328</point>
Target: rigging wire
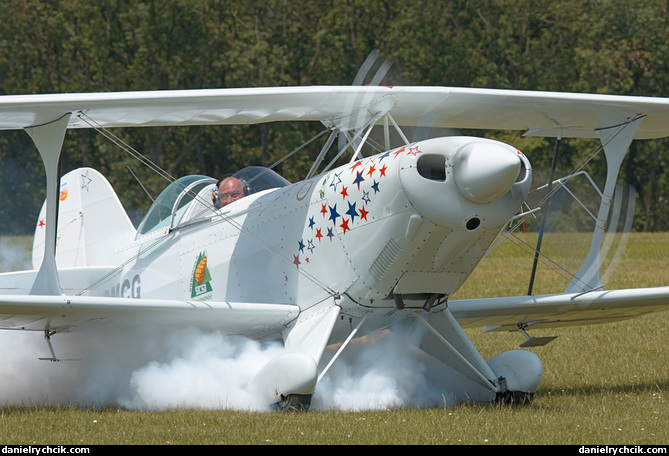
<point>223,216</point>
<point>543,219</point>
<point>534,251</point>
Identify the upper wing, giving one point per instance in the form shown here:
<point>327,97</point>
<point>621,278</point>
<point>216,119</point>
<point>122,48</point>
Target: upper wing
<point>508,313</point>
<point>540,113</point>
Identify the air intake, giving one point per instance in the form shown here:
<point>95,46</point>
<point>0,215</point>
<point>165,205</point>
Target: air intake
<point>432,167</point>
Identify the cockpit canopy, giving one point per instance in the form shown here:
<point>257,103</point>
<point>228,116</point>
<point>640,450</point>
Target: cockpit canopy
<point>189,198</point>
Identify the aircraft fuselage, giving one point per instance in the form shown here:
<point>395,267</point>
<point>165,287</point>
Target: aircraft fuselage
<point>387,231</point>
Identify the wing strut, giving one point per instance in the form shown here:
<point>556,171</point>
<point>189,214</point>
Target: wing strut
<point>543,219</point>
<point>48,139</point>
<point>615,141</point>
<point>342,347</point>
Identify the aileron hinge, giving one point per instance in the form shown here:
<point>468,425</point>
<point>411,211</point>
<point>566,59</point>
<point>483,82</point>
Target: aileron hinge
<point>53,358</point>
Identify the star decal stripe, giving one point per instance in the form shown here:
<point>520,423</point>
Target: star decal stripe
<point>355,189</point>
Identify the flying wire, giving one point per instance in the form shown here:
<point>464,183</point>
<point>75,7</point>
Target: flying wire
<point>223,216</point>
<point>556,267</point>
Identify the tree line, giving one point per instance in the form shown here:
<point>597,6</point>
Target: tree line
<point>47,46</point>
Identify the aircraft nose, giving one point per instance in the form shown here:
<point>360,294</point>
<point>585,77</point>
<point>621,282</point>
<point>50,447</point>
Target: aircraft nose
<point>463,182</point>
<point>483,172</point>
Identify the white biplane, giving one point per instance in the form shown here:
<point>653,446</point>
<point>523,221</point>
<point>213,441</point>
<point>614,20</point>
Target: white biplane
<point>346,252</point>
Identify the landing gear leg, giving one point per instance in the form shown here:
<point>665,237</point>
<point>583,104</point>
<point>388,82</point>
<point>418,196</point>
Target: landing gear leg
<point>514,398</point>
<point>518,398</point>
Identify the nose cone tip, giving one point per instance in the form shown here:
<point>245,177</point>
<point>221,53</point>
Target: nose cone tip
<point>484,172</point>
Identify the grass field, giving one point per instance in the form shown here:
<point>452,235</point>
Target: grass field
<point>603,384</point>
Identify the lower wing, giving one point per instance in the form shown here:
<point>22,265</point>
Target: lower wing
<point>64,313</point>
<point>568,309</point>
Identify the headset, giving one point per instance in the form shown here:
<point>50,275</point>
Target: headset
<point>216,197</point>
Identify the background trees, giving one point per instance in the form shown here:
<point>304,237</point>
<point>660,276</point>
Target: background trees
<point>603,46</point>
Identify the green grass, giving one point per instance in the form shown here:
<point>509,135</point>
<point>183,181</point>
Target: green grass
<point>604,384</point>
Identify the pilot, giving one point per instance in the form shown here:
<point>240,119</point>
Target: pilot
<point>229,189</point>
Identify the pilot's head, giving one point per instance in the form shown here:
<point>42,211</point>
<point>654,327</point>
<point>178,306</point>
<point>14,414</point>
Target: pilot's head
<point>229,189</point>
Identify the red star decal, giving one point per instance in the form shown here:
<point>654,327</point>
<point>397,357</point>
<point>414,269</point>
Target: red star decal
<point>296,260</point>
<point>319,235</point>
<point>413,151</point>
<point>371,170</point>
<point>399,151</point>
<point>344,225</point>
<point>343,193</point>
<point>324,210</point>
<point>363,213</point>
<point>383,170</point>
<point>41,223</point>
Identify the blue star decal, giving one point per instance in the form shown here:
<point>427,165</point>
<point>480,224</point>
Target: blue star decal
<point>311,223</point>
<point>333,213</point>
<point>86,181</point>
<point>310,246</point>
<point>358,179</point>
<point>376,187</point>
<point>352,211</point>
<point>301,246</point>
<point>365,197</point>
<point>330,233</point>
<point>335,181</point>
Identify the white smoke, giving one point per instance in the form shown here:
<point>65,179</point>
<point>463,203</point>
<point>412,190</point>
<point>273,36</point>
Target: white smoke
<point>388,371</point>
<point>15,253</point>
<point>154,370</point>
<point>144,370</point>
<point>209,371</point>
<point>378,373</point>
